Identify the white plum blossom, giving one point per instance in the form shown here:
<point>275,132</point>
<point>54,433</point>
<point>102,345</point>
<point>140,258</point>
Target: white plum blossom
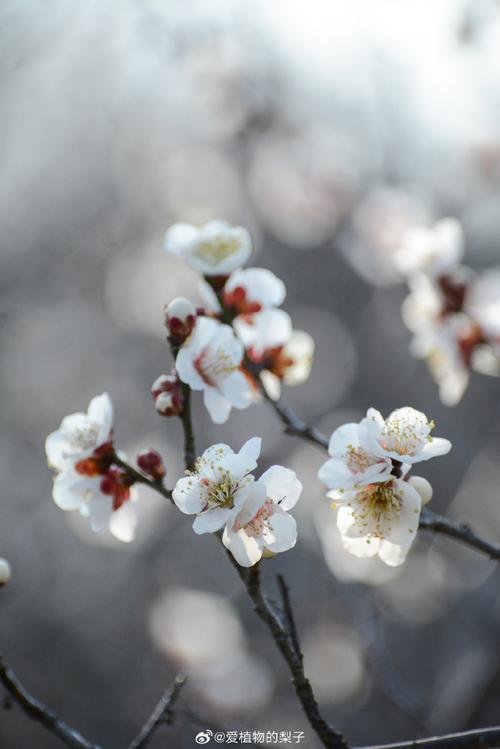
<point>210,360</point>
<point>289,364</point>
<point>379,519</point>
<point>214,249</point>
<point>73,491</point>
<point>80,434</point>
<point>378,503</point>
<point>251,296</point>
<point>351,466</point>
<point>263,525</point>
<point>432,250</point>
<point>405,436</point>
<point>82,453</point>
<point>219,485</point>
<point>482,302</point>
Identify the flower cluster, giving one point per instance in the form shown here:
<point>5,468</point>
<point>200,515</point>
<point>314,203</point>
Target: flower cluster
<point>223,494</point>
<point>368,477</point>
<point>453,313</point>
<point>241,333</point>
<point>87,478</point>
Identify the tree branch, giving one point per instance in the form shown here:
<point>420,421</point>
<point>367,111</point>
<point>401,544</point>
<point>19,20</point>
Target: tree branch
<point>37,711</point>
<point>187,426</point>
<point>483,738</point>
<point>430,521</point>
<point>289,615</point>
<point>329,737</point>
<point>141,478</point>
<point>161,714</point>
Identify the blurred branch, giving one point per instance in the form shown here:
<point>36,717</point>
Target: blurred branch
<point>483,738</point>
<point>37,711</point>
<point>429,520</point>
<point>161,714</point>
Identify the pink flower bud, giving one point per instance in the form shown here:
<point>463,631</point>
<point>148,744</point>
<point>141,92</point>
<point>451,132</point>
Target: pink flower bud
<point>151,462</point>
<point>168,404</point>
<point>5,572</point>
<point>167,393</point>
<point>180,318</point>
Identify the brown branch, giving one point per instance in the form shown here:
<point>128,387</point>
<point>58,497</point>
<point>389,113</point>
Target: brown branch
<point>289,615</point>
<point>430,521</point>
<point>293,425</point>
<point>141,478</point>
<point>161,714</point>
<point>329,737</point>
<point>187,427</point>
<point>37,711</point>
<point>483,738</point>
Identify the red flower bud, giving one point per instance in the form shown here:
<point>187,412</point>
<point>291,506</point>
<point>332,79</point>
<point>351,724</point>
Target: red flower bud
<point>151,462</point>
<point>180,319</point>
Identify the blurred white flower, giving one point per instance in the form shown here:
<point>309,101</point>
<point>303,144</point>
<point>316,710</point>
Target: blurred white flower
<point>250,296</point>
<point>105,499</point>
<point>482,302</point>
<point>378,519</point>
<point>180,318</point>
<point>263,523</point>
<point>80,434</point>
<point>5,572</point>
<point>219,485</point>
<point>289,364</point>
<point>210,361</point>
<point>432,250</point>
<point>214,249</point>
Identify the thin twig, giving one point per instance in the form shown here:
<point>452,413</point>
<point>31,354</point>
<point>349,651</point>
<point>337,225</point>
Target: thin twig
<point>37,711</point>
<point>289,615</point>
<point>483,738</point>
<point>141,478</point>
<point>161,714</point>
<point>430,521</point>
<point>187,426</point>
<point>329,737</point>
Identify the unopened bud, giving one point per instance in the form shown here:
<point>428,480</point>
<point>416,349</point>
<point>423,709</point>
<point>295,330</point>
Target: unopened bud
<point>5,572</point>
<point>151,462</point>
<point>423,487</point>
<point>168,404</point>
<point>180,318</point>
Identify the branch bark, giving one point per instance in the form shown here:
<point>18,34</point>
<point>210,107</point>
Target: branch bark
<point>37,711</point>
<point>483,738</point>
<point>161,714</point>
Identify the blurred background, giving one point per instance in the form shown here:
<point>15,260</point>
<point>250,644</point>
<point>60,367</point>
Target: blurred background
<point>325,128</point>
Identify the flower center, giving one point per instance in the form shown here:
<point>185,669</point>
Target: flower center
<point>357,459</point>
<point>216,249</point>
<point>82,438</point>
<point>221,494</point>
<point>214,365</point>
<point>256,525</point>
<point>404,438</point>
<point>380,503</point>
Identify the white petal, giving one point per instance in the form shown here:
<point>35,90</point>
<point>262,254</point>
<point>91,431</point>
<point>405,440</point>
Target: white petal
<point>189,495</point>
<point>436,446</point>
<point>345,436</point>
<point>254,499</point>
<point>361,547</point>
<point>260,285</point>
<point>247,550</point>
<point>213,520</point>
<point>393,554</point>
<point>57,449</point>
<point>123,523</point>
<point>282,485</point>
<point>237,389</point>
<point>100,511</point>
<point>186,370</point>
<point>68,488</point>
<point>217,405</point>
<point>100,412</point>
<point>282,532</point>
<point>179,238</point>
<point>251,449</point>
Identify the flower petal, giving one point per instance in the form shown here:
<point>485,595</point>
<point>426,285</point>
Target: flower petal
<point>247,550</point>
<point>189,495</point>
<point>282,486</point>
<point>212,520</point>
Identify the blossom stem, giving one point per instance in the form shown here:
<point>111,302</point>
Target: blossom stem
<point>288,612</point>
<point>141,478</point>
<point>161,714</point>
<point>187,425</point>
<point>37,711</point>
